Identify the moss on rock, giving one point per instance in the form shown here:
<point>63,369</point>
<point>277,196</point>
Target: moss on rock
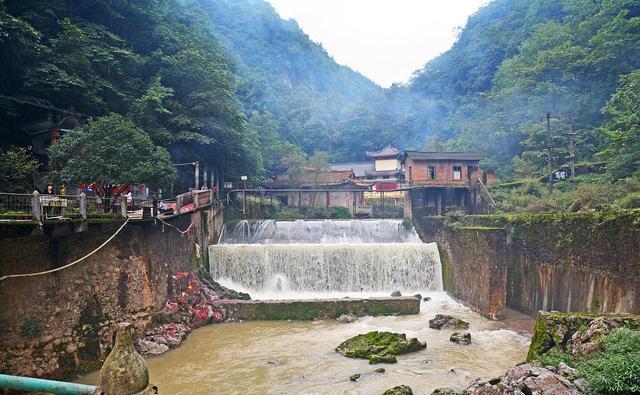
<point>379,347</point>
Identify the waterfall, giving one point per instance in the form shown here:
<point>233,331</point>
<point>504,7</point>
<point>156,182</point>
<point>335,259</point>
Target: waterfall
<point>317,256</point>
<point>320,232</point>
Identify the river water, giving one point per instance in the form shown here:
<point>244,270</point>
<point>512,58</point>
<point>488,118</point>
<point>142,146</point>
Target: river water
<point>310,259</point>
<point>280,357</point>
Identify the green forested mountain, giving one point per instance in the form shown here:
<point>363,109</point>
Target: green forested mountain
<point>231,83</point>
<point>518,59</point>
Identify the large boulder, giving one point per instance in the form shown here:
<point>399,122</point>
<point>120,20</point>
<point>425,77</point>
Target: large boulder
<point>442,321</point>
<point>576,334</point>
<point>399,390</point>
<point>379,347</point>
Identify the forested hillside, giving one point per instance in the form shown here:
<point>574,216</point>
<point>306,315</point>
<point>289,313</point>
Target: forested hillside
<point>518,59</point>
<point>292,89</point>
<point>161,68</point>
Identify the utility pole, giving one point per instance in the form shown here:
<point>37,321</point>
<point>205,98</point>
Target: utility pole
<point>549,145</point>
<point>572,155</point>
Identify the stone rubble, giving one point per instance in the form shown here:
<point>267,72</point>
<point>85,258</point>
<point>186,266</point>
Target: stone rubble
<point>192,305</point>
<point>524,379</point>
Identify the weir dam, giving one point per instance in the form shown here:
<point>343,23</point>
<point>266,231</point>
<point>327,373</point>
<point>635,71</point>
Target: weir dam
<point>325,256</point>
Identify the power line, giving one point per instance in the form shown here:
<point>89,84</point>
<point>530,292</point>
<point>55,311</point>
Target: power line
<point>48,107</point>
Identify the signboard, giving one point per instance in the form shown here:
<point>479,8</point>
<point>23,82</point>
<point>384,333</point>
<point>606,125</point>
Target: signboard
<point>228,185</point>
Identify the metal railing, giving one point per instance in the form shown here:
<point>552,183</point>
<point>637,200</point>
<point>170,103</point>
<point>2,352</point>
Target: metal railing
<point>15,204</point>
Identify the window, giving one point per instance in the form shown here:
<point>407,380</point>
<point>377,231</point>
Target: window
<point>457,172</point>
<point>432,173</point>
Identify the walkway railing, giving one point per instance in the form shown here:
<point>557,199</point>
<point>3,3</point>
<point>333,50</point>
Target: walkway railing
<point>36,206</point>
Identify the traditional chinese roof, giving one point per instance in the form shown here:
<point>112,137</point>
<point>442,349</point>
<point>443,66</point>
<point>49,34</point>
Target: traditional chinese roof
<point>384,173</point>
<point>359,168</point>
<point>470,156</point>
<point>387,152</point>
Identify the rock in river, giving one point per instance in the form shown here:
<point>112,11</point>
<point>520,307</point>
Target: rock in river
<point>396,293</point>
<point>442,321</point>
<point>346,319</point>
<point>461,338</point>
<point>379,347</point>
<point>399,390</point>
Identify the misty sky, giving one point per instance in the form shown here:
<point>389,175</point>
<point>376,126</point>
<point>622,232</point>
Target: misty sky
<point>386,40</point>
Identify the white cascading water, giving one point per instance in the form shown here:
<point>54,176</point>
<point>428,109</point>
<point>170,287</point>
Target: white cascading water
<point>325,256</point>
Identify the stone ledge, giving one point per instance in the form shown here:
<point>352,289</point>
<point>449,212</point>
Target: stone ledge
<point>309,309</point>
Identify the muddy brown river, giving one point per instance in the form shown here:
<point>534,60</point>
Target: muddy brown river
<point>298,357</point>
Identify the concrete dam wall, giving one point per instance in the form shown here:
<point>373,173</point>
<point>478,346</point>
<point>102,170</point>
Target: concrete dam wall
<point>566,262</point>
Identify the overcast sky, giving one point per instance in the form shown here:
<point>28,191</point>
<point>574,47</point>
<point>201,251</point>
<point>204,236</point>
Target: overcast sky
<point>386,40</point>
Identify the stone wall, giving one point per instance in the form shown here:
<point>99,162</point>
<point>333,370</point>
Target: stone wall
<point>565,262</point>
<point>474,265</point>
<point>61,323</point>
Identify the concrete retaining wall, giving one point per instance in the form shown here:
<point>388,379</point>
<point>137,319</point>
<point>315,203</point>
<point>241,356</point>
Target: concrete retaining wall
<point>565,262</point>
<point>474,265</point>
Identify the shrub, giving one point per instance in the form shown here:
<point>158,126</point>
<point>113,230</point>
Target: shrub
<point>30,327</point>
<point>616,370</point>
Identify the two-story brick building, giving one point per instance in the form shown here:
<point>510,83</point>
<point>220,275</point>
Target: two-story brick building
<point>437,180</point>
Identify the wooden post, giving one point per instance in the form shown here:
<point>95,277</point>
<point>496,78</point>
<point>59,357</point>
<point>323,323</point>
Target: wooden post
<point>36,207</point>
<point>178,204</point>
<point>154,211</point>
<point>197,174</point>
<point>83,205</point>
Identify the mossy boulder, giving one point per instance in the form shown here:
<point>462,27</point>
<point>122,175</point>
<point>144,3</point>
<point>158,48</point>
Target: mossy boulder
<point>442,321</point>
<point>461,338</point>
<point>399,390</point>
<point>379,347</point>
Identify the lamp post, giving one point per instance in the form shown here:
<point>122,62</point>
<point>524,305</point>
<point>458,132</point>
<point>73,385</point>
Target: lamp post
<point>244,196</point>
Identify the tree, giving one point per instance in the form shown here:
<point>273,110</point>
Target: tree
<point>623,129</point>
<point>16,163</point>
<point>110,150</point>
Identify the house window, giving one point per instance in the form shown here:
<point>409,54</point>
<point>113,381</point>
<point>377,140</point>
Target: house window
<point>457,172</point>
<point>432,172</point>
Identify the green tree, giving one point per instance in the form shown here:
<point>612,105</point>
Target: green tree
<point>111,150</point>
<point>622,129</point>
<point>16,163</point>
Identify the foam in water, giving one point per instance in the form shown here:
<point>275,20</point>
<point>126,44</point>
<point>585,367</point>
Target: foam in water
<point>326,256</point>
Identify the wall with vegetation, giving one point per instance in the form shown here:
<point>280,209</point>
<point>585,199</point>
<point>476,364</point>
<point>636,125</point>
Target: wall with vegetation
<point>564,262</point>
<point>62,323</point>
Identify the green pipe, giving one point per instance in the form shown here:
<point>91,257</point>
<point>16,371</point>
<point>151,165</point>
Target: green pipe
<point>51,386</point>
